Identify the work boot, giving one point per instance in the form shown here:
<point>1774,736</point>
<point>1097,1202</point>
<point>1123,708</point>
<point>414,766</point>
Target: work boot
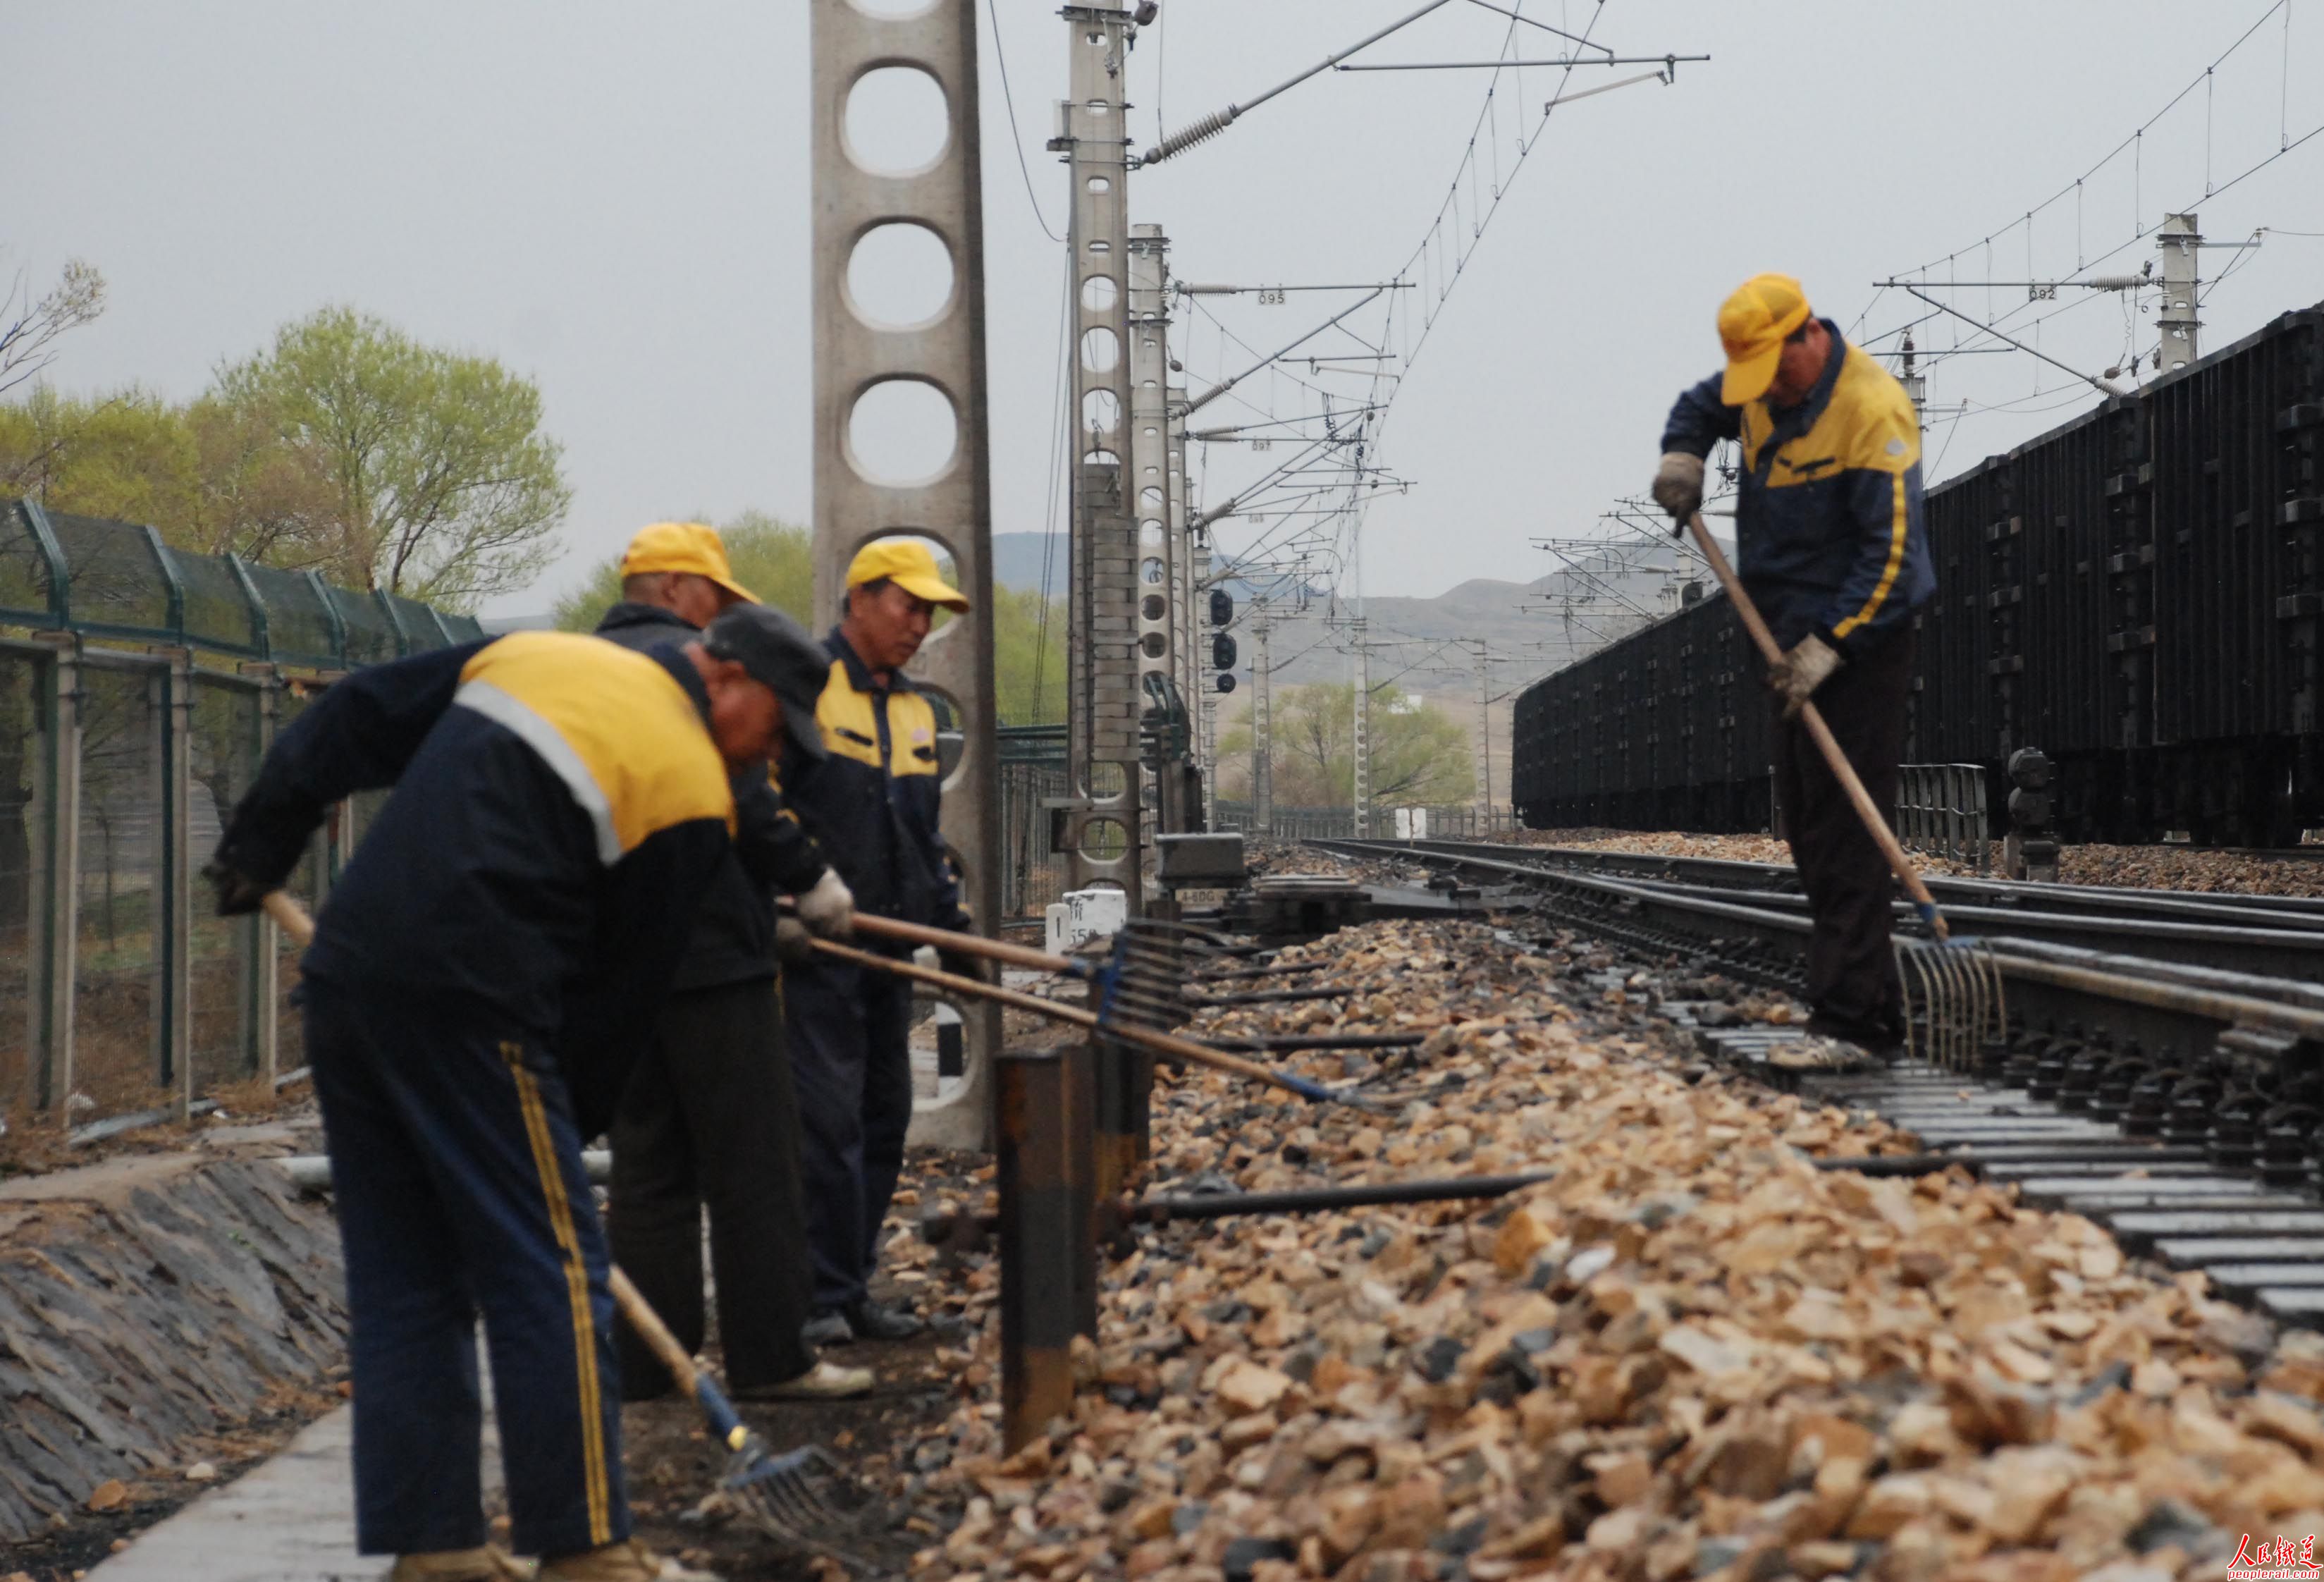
<point>491,1563</point>
<point>823,1381</point>
<point>873,1321</point>
<point>827,1330</point>
<point>627,1561</point>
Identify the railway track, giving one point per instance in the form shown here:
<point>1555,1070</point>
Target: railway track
<point>2129,1066</point>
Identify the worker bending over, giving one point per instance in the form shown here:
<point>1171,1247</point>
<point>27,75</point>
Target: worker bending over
<point>710,1116</point>
<point>872,801</point>
<point>1829,534</point>
<point>478,987</point>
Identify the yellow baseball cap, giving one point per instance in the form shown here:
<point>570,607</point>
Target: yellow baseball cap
<point>907,563</point>
<point>1752,325</point>
<point>683,546</point>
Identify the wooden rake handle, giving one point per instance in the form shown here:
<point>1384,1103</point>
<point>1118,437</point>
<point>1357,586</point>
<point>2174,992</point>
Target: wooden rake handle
<point>1160,1043</point>
<point>998,950</point>
<point>1874,821</point>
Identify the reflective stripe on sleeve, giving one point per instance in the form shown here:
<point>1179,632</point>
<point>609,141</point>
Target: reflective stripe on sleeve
<point>552,748</point>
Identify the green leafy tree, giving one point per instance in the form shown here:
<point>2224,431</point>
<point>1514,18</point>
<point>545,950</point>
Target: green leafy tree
<point>448,491</point>
<point>214,476</point>
<point>1029,657</point>
<point>1420,754</point>
<point>30,326</point>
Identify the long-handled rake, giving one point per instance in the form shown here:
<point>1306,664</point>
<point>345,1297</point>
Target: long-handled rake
<point>1876,822</point>
<point>781,1495</point>
<point>1167,1045</point>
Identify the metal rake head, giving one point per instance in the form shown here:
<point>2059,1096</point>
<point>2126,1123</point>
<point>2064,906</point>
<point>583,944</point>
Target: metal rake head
<point>791,1497</point>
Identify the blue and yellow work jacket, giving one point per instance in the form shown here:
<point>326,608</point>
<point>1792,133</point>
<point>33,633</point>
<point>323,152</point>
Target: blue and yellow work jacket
<point>872,804</point>
<point>1828,526</point>
<point>733,938</point>
<point>558,807</point>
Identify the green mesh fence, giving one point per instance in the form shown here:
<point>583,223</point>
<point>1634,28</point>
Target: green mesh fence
<point>62,572</point>
<point>117,962</point>
<point>120,757</point>
<point>223,760</point>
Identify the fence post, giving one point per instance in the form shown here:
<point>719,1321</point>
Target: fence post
<point>173,909</point>
<point>56,864</point>
<point>1045,1265</point>
<point>266,974</point>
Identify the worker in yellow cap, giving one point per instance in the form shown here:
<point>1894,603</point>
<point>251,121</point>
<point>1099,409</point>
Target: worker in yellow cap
<point>873,803</point>
<point>1831,548</point>
<point>709,1118</point>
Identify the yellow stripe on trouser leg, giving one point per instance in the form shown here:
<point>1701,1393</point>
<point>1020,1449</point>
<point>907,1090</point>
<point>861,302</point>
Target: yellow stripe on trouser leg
<point>576,1290</point>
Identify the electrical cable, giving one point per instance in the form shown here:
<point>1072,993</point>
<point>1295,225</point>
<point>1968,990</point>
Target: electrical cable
<point>1016,139</point>
<point>2133,140</point>
<point>1060,416</point>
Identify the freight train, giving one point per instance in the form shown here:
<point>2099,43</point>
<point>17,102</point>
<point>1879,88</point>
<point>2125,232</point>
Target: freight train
<point>2139,594</point>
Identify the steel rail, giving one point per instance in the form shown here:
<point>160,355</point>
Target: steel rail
<point>2022,961</point>
<point>2259,910</point>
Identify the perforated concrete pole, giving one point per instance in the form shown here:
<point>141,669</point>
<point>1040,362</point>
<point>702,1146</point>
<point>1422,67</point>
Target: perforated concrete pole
<point>1262,731</point>
<point>1185,647</point>
<point>1362,753</point>
<point>1484,767</point>
<point>853,357</point>
<point>2182,290</point>
<point>1105,705</point>
<point>1150,466</point>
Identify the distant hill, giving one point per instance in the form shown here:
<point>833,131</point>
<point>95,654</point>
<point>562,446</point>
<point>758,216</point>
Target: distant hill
<point>1017,558</point>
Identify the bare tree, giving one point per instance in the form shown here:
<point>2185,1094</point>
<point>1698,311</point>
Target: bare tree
<point>30,327</point>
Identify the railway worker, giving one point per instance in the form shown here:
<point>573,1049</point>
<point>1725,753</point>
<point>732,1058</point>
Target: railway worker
<point>871,801</point>
<point>709,1117</point>
<point>478,987</point>
<point>1832,549</point>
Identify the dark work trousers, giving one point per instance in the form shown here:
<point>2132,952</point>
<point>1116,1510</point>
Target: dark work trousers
<point>459,1186</point>
<point>1851,967</point>
<point>709,1119</point>
<point>847,1028</point>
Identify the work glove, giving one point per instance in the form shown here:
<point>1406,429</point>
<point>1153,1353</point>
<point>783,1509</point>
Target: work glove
<point>793,943</point>
<point>1678,487</point>
<point>238,894</point>
<point>828,906</point>
<point>1801,671</point>
<point>957,963</point>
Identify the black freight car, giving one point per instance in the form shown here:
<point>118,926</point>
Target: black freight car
<point>2137,593</point>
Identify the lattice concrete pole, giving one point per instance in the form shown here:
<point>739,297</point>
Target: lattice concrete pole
<point>2181,242</point>
<point>1363,742</point>
<point>1262,729</point>
<point>1484,745</point>
<point>853,356</point>
<point>1105,705</point>
<point>1207,698</point>
<point>1159,646</point>
<point>1186,625</point>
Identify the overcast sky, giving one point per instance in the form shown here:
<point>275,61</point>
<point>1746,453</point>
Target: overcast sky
<point>613,198</point>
